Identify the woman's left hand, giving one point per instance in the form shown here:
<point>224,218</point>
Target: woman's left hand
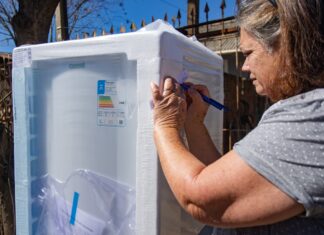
<point>170,107</point>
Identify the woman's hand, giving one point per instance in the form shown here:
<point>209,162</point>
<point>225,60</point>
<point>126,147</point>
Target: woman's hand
<point>197,108</point>
<point>170,107</point>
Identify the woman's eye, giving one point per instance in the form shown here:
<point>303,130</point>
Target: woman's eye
<point>247,53</point>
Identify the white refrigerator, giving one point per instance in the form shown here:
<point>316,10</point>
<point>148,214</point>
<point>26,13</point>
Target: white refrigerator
<point>85,160</point>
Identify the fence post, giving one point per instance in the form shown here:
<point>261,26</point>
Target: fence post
<point>62,26</point>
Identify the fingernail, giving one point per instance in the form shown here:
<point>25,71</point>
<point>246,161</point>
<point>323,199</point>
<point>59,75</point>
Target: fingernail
<point>153,85</point>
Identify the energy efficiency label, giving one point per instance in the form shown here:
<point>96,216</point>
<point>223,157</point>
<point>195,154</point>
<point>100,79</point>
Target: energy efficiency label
<point>111,110</point>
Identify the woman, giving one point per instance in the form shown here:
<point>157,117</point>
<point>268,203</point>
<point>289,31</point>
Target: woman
<point>272,182</point>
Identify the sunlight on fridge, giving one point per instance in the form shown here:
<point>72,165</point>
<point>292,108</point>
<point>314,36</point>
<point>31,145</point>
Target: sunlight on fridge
<point>85,160</point>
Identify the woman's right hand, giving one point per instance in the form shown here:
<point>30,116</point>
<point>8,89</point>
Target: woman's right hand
<point>197,108</point>
<point>170,107</point>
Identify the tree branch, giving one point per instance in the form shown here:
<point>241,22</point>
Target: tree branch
<point>78,7</point>
<point>7,26</point>
<point>5,12</point>
<point>5,34</point>
<point>14,6</point>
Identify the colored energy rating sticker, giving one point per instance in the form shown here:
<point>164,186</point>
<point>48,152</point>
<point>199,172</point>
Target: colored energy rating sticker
<point>111,104</point>
<point>105,102</point>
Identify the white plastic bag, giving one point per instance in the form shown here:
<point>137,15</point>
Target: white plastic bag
<point>110,208</point>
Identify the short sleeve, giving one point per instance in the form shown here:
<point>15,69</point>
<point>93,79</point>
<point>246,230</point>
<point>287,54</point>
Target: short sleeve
<point>287,148</point>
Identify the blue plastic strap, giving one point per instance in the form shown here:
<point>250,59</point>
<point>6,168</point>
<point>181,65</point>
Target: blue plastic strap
<point>74,207</point>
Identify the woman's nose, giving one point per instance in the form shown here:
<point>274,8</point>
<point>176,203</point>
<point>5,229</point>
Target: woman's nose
<point>245,67</point>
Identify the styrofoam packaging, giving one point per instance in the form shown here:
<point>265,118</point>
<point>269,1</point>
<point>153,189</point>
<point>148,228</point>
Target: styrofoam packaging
<point>85,160</point>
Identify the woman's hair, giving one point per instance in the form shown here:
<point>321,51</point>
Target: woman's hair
<point>294,29</point>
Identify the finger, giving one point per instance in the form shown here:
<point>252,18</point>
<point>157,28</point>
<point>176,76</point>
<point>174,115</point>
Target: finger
<point>201,89</point>
<point>178,90</point>
<point>194,95</point>
<point>188,99</point>
<point>168,87</point>
<point>155,92</point>
<point>188,83</point>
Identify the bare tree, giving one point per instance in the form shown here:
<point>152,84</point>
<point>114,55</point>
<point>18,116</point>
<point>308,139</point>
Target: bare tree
<point>26,21</point>
<point>89,15</point>
<point>7,10</point>
<point>29,21</point>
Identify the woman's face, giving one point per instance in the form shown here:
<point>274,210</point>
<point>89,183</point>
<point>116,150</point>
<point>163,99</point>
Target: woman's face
<point>259,63</point>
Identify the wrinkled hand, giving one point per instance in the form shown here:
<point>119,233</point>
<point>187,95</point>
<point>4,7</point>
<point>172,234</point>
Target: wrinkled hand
<point>170,107</point>
<point>197,108</point>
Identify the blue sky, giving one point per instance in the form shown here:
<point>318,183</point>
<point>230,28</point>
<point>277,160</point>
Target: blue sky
<point>137,10</point>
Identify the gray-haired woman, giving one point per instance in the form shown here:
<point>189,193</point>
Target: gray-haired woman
<point>273,180</point>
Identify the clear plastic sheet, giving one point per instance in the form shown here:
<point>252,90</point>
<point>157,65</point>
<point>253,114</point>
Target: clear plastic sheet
<point>109,209</point>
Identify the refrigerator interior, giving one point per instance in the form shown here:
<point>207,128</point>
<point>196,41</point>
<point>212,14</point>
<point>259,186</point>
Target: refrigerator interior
<point>83,116</point>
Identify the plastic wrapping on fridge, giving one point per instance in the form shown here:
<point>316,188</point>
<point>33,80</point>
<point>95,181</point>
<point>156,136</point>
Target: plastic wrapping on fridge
<point>83,132</point>
<point>109,209</point>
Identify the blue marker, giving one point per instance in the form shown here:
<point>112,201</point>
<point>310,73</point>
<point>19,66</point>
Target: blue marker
<point>207,99</point>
